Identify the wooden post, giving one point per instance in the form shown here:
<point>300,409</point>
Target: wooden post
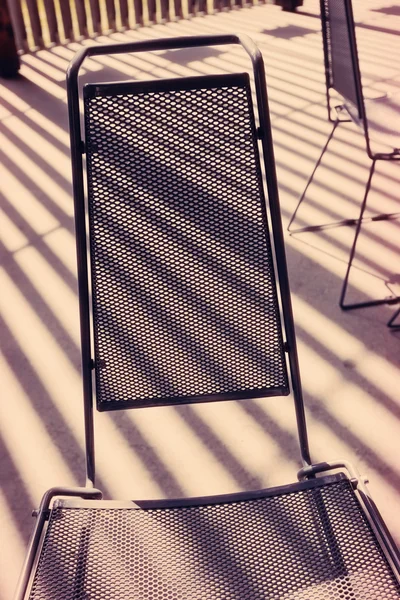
<point>124,12</point>
<point>52,21</point>
<point>82,17</point>
<point>165,10</point>
<point>152,8</point>
<point>67,19</point>
<point>36,25</point>
<point>138,6</point>
<point>96,17</point>
<point>111,16</point>
<point>9,60</point>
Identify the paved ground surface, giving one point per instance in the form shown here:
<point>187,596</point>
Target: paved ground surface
<point>349,360</point>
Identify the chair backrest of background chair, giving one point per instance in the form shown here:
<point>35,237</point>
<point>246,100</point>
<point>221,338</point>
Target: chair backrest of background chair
<point>185,306</point>
<point>343,72</point>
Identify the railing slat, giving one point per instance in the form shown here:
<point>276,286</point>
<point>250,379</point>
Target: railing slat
<point>35,22</point>
<point>82,17</point>
<point>124,11</point>
<point>138,6</point>
<point>96,17</point>
<point>165,10</point>
<point>178,9</point>
<point>18,25</point>
<point>217,5</point>
<point>111,16</point>
<point>203,6</point>
<point>101,16</point>
<point>52,21</point>
<point>151,7</point>
<point>67,19</point>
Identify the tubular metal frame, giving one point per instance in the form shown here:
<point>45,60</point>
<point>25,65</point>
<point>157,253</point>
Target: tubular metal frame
<point>92,498</point>
<point>42,515</point>
<point>359,484</point>
<point>77,151</point>
<point>362,116</point>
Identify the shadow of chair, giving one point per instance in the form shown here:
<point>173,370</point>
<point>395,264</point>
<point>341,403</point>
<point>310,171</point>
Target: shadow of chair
<point>186,308</point>
<point>378,118</point>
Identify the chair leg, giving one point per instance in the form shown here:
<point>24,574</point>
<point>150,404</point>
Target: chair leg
<point>352,306</point>
<point>335,124</point>
<point>308,228</point>
<point>391,323</point>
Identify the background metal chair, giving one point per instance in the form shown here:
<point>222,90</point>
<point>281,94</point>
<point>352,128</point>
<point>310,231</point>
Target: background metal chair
<point>378,118</point>
<point>186,307</point>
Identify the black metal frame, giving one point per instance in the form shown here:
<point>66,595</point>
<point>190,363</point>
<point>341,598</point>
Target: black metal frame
<point>89,493</point>
<point>92,498</point>
<point>42,515</point>
<point>301,485</point>
<point>359,484</point>
<point>91,91</point>
<point>306,481</point>
<point>77,150</point>
<point>362,121</point>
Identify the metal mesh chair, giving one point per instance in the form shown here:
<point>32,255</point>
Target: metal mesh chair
<point>186,307</point>
<point>378,118</point>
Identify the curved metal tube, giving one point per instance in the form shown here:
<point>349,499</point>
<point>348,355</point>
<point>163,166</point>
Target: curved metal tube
<point>42,516</point>
<point>274,207</point>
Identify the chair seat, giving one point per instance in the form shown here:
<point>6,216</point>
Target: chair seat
<point>383,116</point>
<point>303,541</point>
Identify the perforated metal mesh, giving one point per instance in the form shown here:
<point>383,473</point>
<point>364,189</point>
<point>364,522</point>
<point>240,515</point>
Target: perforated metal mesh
<point>314,544</point>
<point>342,57</point>
<point>185,305</point>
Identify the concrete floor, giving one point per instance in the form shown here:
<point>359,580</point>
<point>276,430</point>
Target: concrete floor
<point>349,361</point>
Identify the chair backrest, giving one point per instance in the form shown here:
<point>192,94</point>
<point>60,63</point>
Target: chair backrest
<point>187,261</point>
<point>185,306</point>
<point>340,50</point>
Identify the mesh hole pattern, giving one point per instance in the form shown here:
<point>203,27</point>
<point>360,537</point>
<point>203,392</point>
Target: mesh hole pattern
<point>343,74</point>
<point>184,295</point>
<point>314,544</point>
